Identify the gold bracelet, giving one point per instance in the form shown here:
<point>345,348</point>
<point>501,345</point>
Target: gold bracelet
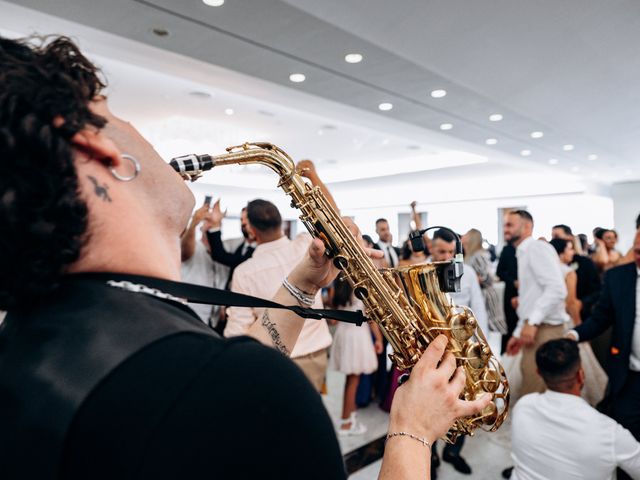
<point>423,441</point>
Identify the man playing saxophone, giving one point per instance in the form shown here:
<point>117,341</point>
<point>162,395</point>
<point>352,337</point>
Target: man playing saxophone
<point>103,374</point>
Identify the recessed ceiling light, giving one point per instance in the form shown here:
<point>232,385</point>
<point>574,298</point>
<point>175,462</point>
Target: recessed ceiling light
<point>525,153</point>
<point>553,161</point>
<point>491,141</point>
<point>385,107</point>
<point>537,134</point>
<point>438,93</point>
<point>385,141</point>
<point>446,126</point>
<point>592,156</point>
<point>353,58</point>
<point>213,3</point>
<point>568,147</point>
<point>160,32</point>
<point>495,117</point>
<point>297,77</point>
<point>575,168</point>
<point>594,175</point>
<point>229,111</point>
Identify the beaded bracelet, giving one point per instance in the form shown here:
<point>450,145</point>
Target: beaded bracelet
<point>405,434</point>
<point>304,298</point>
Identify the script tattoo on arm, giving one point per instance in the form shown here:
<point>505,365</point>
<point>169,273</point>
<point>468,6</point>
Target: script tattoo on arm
<point>102,191</point>
<point>275,335</point>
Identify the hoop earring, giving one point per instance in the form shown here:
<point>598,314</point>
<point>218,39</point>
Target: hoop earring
<point>136,168</point>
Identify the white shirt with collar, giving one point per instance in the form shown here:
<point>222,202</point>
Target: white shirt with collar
<point>634,359</point>
<point>560,436</point>
<point>542,290</point>
<point>390,254</point>
<point>470,295</point>
<point>262,276</point>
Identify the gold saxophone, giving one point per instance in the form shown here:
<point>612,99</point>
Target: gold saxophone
<point>407,303</point>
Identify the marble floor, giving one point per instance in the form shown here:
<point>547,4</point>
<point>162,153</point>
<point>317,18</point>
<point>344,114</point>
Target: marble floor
<point>486,453</point>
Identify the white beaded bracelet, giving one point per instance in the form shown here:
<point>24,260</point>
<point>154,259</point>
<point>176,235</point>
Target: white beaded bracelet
<point>304,298</point>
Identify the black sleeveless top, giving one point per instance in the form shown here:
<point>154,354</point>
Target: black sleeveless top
<point>102,383</point>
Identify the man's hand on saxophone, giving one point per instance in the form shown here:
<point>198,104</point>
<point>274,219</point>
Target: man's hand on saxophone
<point>423,410</point>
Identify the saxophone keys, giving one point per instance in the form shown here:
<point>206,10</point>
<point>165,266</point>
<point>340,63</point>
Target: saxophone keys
<point>490,380</point>
<point>462,326</point>
<point>475,355</point>
<point>489,414</point>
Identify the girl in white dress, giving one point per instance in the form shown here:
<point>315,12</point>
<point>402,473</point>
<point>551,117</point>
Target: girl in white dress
<point>595,377</point>
<point>352,353</point>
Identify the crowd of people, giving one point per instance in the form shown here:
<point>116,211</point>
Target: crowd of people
<point>548,287</point>
<point>105,372</point>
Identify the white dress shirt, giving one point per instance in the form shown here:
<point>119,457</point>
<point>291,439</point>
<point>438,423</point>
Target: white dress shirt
<point>634,359</point>
<point>470,295</point>
<point>560,436</point>
<point>542,290</point>
<point>390,254</point>
<point>262,276</point>
<point>201,270</point>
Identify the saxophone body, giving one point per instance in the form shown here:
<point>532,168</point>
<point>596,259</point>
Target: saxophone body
<point>407,303</point>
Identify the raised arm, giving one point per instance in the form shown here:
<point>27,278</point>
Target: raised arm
<point>307,169</point>
<point>188,239</point>
<point>415,216</point>
<point>213,223</point>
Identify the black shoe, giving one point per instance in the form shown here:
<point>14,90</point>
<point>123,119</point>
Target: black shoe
<point>506,473</point>
<point>458,463</point>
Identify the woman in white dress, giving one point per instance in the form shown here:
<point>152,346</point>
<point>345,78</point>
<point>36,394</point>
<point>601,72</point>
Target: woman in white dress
<point>352,353</point>
<point>595,377</point>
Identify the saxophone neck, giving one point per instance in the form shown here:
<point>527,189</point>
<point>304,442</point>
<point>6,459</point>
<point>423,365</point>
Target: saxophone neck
<point>262,153</point>
<point>192,166</point>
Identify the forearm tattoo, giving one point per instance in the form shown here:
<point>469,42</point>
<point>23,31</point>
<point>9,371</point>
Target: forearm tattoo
<point>275,335</point>
<point>102,191</point>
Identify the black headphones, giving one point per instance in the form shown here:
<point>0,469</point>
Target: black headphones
<point>450,274</point>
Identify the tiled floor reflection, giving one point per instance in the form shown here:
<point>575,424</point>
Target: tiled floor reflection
<point>486,453</point>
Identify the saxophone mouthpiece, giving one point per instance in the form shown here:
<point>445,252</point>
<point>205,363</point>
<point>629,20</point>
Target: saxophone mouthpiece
<point>191,166</point>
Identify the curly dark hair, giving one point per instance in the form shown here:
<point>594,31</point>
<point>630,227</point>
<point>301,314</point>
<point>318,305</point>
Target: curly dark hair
<point>43,220</point>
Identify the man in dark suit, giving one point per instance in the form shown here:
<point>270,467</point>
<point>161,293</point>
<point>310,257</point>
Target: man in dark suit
<point>391,253</point>
<point>218,251</point>
<point>507,271</point>
<point>618,307</point>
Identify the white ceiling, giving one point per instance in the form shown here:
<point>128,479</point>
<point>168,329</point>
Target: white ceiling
<point>570,70</point>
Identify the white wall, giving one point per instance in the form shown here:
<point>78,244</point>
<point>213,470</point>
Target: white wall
<point>626,207</point>
<point>580,211</point>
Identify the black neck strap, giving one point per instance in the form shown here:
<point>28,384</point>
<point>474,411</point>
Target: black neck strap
<point>214,296</point>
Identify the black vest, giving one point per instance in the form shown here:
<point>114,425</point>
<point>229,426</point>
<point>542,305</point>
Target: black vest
<point>53,355</point>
